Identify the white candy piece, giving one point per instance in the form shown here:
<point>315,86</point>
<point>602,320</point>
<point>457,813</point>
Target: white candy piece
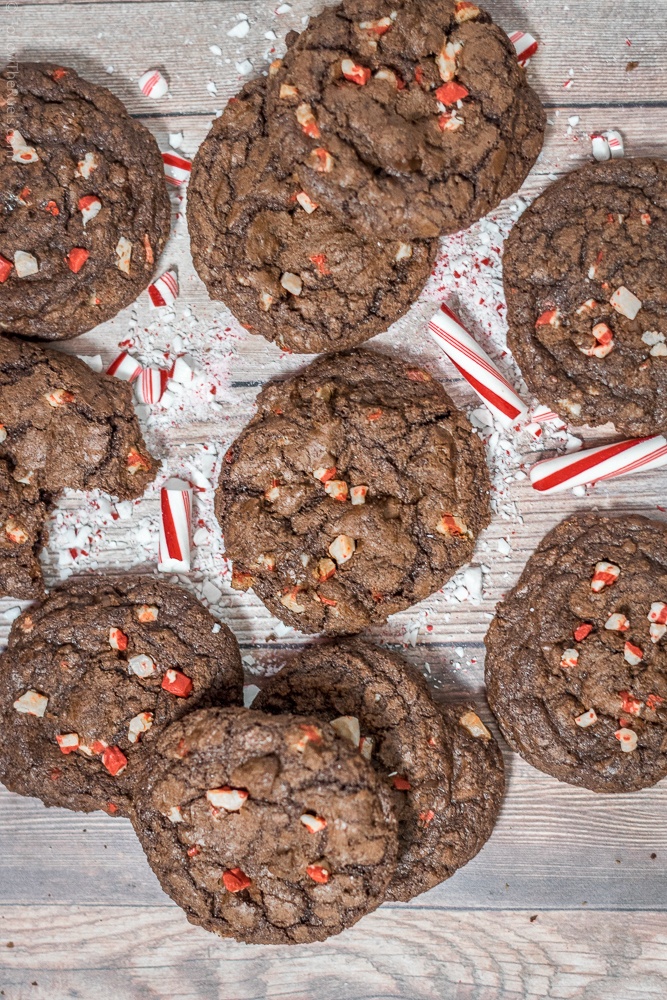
<point>617,623</point>
<point>342,549</point>
<point>632,654</point>
<point>605,575</point>
<point>86,166</point>
<point>358,495</point>
<point>89,211</point>
<point>124,253</point>
<point>291,283</point>
<point>347,727</point>
<point>240,29</point>
<point>32,703</point>
<point>404,252</point>
<point>142,665</point>
<point>586,719</point>
<point>615,143</point>
<point>152,84</point>
<point>164,290</point>
<point>569,658</point>
<point>139,724</point>
<point>600,147</point>
<point>627,738</point>
<point>25,264</point>
<point>67,741</point>
<point>231,799</point>
<point>625,303</point>
<point>175,814</point>
<point>22,153</point>
<point>366,745</point>
<point>472,722</point>
<point>658,612</point>
<point>312,823</point>
<point>656,632</point>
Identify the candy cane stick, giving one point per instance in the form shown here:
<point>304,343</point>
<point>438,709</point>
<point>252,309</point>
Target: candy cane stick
<point>604,462</point>
<point>125,367</point>
<point>476,367</point>
<point>151,384</point>
<point>175,516</point>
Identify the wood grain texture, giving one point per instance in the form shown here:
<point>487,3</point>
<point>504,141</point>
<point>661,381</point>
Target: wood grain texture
<point>77,899</point>
<point>151,952</point>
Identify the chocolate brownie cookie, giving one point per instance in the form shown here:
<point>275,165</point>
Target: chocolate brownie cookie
<point>285,266</point>
<point>61,426</point>
<point>268,829</point>
<point>446,773</point>
<point>576,665</point>
<point>584,274</point>
<point>93,674</point>
<point>409,119</point>
<point>85,211</point>
<point>357,490</point>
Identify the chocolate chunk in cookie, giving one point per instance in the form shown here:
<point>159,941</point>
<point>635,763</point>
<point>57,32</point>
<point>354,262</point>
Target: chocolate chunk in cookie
<point>445,771</point>
<point>93,674</point>
<point>576,664</point>
<point>584,274</point>
<point>408,119</point>
<point>268,829</point>
<point>85,211</point>
<point>357,490</point>
<point>285,266</point>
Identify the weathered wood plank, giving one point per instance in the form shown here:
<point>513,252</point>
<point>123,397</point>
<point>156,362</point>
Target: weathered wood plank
<point>416,953</point>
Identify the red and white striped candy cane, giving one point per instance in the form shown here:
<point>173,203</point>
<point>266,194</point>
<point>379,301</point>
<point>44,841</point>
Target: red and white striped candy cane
<point>164,290</point>
<point>476,367</point>
<point>176,168</point>
<point>151,384</point>
<point>525,46</point>
<point>125,367</point>
<point>175,522</point>
<point>153,84</point>
<point>604,462</point>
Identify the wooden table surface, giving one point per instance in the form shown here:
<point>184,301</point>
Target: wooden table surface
<point>568,898</point>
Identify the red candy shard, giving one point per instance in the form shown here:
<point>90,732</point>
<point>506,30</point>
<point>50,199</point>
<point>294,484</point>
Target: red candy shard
<point>59,73</point>
<point>112,808</point>
<point>320,262</point>
<point>581,631</point>
<point>234,880</point>
<point>5,268</point>
<point>427,816</point>
<point>355,73</point>
<point>52,208</point>
<point>548,318</point>
<point>450,93</point>
<point>401,783</point>
<point>312,733</point>
<point>653,701</point>
<point>629,704</point>
<point>76,258</point>
<point>193,851</point>
<point>177,683</point>
<point>117,639</point>
<point>114,760</point>
<point>318,874</point>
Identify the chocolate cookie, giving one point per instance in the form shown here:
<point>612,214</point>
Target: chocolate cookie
<point>357,490</point>
<point>285,266</point>
<point>91,677</point>
<point>408,119</point>
<point>62,426</point>
<point>584,275</point>
<point>85,211</point>
<point>576,665</point>
<point>446,773</point>
<point>271,830</point>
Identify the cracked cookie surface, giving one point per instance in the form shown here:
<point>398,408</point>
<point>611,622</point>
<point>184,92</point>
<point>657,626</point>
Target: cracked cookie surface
<point>268,829</point>
<point>443,767</point>
<point>576,663</point>
<point>421,107</point>
<point>357,490</point>
<point>91,677</point>
<point>584,275</point>
<point>84,210</point>
<point>287,268</point>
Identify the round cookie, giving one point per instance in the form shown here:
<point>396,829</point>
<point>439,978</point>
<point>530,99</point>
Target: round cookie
<point>446,774</point>
<point>85,211</point>
<point>286,269</point>
<point>576,664</point>
<point>357,490</point>
<point>94,674</point>
<point>410,118</point>
<point>584,275</point>
<point>271,830</point>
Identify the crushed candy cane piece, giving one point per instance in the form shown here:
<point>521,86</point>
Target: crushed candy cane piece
<point>5,268</point>
<point>654,701</point>
<point>164,290</point>
<point>230,799</point>
<point>235,880</point>
<point>453,526</point>
<point>550,317</point>
<point>446,61</point>
<point>450,93</point>
<point>76,258</point>
<point>15,533</point>
<point>307,204</point>
<point>287,90</point>
<point>633,654</point>
<point>321,161</point>
<point>142,665</point>
<point>525,46</point>
<point>464,11</point>
<point>291,283</point>
<point>87,166</point>
<point>176,168</point>
<point>627,738</point>
<point>25,264</point>
<point>307,121</point>
<point>152,84</point>
<point>117,639</point>
<point>358,495</point>
<point>600,147</point>
<point>289,600</point>
<point>151,384</point>
<point>656,632</point>
<point>60,397</point>
<point>615,143</point>
<point>605,575</point>
<point>31,703</point>
<point>617,623</point>
<point>177,683</point>
<point>21,151</point>
<point>625,303</point>
<point>658,613</point>
<point>629,704</point>
<point>449,121</point>
<point>582,631</point>
<point>347,727</point>
<point>355,73</point>
<point>569,659</point>
<point>318,873</point>
<point>342,549</point>
<point>472,722</point>
<point>336,489</point>
<point>324,474</point>
<point>138,725</point>
<point>326,568</point>
<point>114,760</point>
<point>125,367</point>
<point>378,27</point>
<point>68,742</point>
<point>124,254</point>
<point>312,823</point>
<point>174,814</point>
<point>136,462</point>
<point>586,719</point>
